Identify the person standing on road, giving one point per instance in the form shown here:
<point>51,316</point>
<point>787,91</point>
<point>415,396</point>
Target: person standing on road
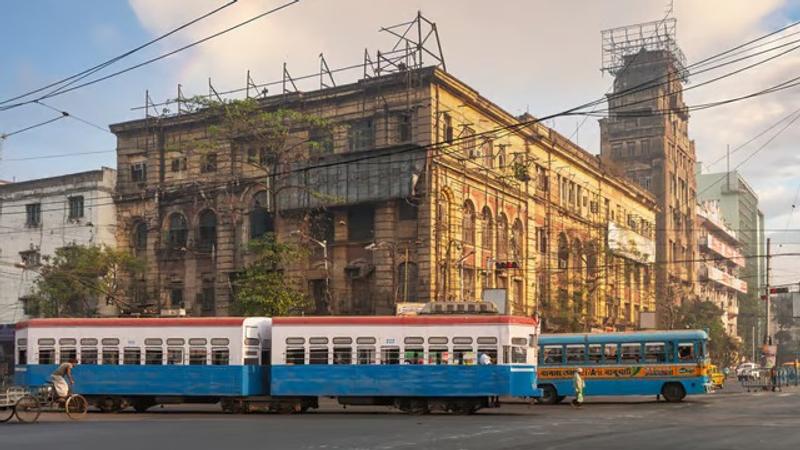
<point>60,376</point>
<point>579,385</point>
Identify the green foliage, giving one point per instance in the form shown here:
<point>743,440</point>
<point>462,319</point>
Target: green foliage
<point>77,278</point>
<point>262,289</point>
<point>703,315</point>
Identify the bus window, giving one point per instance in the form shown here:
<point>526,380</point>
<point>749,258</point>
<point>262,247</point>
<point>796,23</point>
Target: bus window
<point>595,353</point>
<point>342,355</point>
<point>132,356</point>
<point>390,355</point>
<point>414,355</point>
<point>110,356</point>
<point>318,355</point>
<point>553,354</point>
<point>197,356</point>
<point>610,354</point>
<point>437,356</point>
<point>630,352</point>
<point>88,355</point>
<point>463,355</point>
<point>153,356</point>
<point>366,355</point>
<point>296,356</point>
<point>685,351</point>
<point>174,356</point>
<point>220,356</point>
<point>47,356</point>
<point>67,354</point>
<point>491,352</point>
<point>519,354</point>
<point>575,354</point>
<point>655,352</point>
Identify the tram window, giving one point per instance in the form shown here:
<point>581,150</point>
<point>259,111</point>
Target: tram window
<point>47,341</point>
<point>390,355</point>
<point>519,341</point>
<point>174,356</point>
<point>220,341</point>
<point>220,356</point>
<point>342,355</point>
<point>342,340</point>
<point>67,341</point>
<point>414,355</point>
<point>198,341</point>
<point>437,356</point>
<point>519,355</point>
<point>462,340</point>
<point>176,341</point>
<point>132,356</point>
<point>575,354</point>
<point>553,354</point>
<point>47,356</point>
<point>67,354</point>
<point>610,353</point>
<point>153,342</point>
<point>197,356</point>
<point>318,355</point>
<point>89,341</point>
<point>21,342</point>
<point>630,353</point>
<point>295,341</point>
<point>437,340</point>
<point>412,340</point>
<point>111,356</point>
<point>595,353</point>
<point>491,340</point>
<point>110,341</point>
<point>250,341</point>
<point>463,355</point>
<point>366,340</point>
<point>491,352</point>
<point>22,356</point>
<point>296,356</point>
<point>685,351</point>
<point>88,355</point>
<point>153,356</point>
<point>318,341</point>
<point>266,355</point>
<point>655,352</point>
<point>365,355</point>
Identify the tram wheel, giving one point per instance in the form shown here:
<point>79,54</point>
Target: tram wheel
<point>27,409</point>
<point>76,407</point>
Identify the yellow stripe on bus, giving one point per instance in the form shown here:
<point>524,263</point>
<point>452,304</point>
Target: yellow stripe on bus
<point>623,372</point>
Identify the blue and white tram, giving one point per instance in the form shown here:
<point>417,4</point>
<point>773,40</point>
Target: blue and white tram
<point>144,362</point>
<point>415,363</point>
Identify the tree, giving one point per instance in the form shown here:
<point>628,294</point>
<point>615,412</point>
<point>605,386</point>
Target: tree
<point>78,278</point>
<point>702,315</point>
<point>262,289</point>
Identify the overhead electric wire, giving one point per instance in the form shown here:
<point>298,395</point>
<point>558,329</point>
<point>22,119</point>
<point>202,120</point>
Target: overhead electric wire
<point>73,116</point>
<point>31,127</point>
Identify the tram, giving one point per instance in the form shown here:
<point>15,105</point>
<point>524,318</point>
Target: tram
<point>417,364</point>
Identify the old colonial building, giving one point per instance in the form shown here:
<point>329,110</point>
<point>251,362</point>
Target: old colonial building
<point>421,190</point>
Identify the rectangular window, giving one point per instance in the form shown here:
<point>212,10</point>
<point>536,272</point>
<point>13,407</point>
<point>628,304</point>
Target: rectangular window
<point>437,356</point>
<point>197,356</point>
<point>47,356</point>
<point>342,355</point>
<point>361,223</point>
<point>88,355</point>
<point>655,352</point>
<point>463,356</point>
<point>366,355</point>
<point>208,163</point>
<point>414,355</point>
<point>33,215</point>
<point>553,354</point>
<point>447,128</point>
<point>178,164</point>
<point>610,354</point>
<point>595,353</point>
<point>220,356</point>
<point>491,352</point>
<point>153,356</point>
<point>31,258</point>
<point>686,352</point>
<point>362,135</point>
<point>575,354</point>
<point>76,207</point>
<point>22,356</point>
<point>174,356</point>
<point>630,353</point>
<point>132,356</point>
<point>318,355</point>
<point>67,354</point>
<point>295,356</point>
<point>404,128</point>
<point>139,172</point>
<point>519,355</point>
<point>110,356</point>
<point>390,355</point>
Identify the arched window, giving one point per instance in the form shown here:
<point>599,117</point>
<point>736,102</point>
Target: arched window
<point>178,231</point>
<point>517,241</point>
<point>468,223</point>
<point>407,281</point>
<point>139,238</point>
<point>443,215</point>
<point>563,252</point>
<point>207,232</point>
<point>577,261</point>
<point>261,221</point>
<point>502,236</point>
<point>487,240</point>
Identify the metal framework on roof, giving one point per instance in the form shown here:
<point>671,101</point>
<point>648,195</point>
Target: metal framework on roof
<point>622,42</point>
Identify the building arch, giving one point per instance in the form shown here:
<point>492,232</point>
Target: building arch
<point>502,236</point>
<point>262,221</point>
<point>487,235</point>
<point>177,231</point>
<point>468,223</point>
<point>139,237</point>
<point>518,242</point>
<point>206,229</point>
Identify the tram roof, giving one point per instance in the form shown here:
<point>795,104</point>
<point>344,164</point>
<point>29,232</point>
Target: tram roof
<point>445,319</point>
<point>627,336</point>
<point>132,322</point>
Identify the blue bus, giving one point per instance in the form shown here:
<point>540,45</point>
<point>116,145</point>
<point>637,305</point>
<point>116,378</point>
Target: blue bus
<point>671,364</point>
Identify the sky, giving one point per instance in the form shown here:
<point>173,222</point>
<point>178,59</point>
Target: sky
<point>540,56</point>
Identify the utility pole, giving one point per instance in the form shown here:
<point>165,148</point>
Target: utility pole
<point>767,337</point>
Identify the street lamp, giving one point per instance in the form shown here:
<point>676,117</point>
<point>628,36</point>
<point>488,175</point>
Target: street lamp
<point>324,244</point>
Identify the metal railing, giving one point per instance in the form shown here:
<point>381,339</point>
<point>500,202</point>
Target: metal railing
<point>771,379</point>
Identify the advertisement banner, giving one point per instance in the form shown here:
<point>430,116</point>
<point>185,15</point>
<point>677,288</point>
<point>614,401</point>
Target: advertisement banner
<point>631,245</point>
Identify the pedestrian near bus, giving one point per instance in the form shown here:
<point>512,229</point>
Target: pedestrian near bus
<point>579,385</point>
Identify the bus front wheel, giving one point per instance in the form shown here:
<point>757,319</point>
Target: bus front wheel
<point>549,395</point>
<point>673,392</point>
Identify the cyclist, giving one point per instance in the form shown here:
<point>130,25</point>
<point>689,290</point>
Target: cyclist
<point>61,376</point>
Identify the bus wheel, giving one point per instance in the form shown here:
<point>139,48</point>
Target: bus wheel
<point>673,392</point>
<point>560,398</point>
<point>549,395</point>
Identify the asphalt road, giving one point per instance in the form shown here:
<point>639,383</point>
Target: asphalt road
<point>727,420</point>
